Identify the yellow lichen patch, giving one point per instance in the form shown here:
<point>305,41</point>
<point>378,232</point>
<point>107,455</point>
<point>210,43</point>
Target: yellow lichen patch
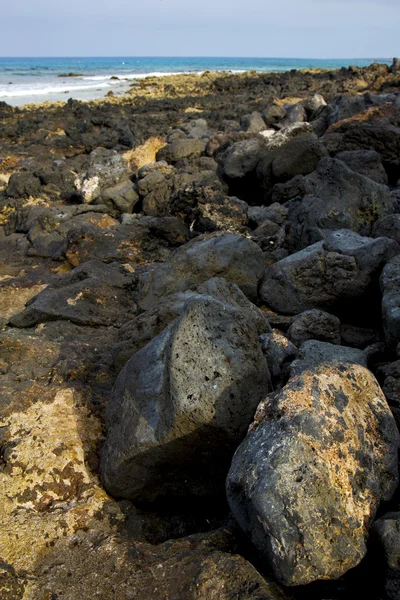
<point>144,154</point>
<point>13,299</point>
<point>46,489</point>
<point>74,301</point>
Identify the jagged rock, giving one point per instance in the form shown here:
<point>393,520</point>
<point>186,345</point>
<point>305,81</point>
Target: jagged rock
<point>274,114</point>
<point>307,481</point>
<point>138,240</point>
<point>313,353</point>
<point>390,286</point>
<point>185,148</point>
<point>332,275</point>
<point>278,350</point>
<point>23,185</point>
<point>275,213</point>
<point>205,208</point>
<point>142,329</point>
<point>197,129</point>
<point>122,197</point>
<point>93,294</point>
<point>275,139</point>
<point>295,113</point>
<point>233,257</point>
<point>107,566</point>
<point>314,104</point>
<point>365,162</point>
<point>299,156</point>
<point>388,226</point>
<point>337,198</point>
<point>183,402</point>
<point>358,337</point>
<point>106,169</point>
<point>314,325</point>
<point>386,535</point>
<point>252,123</point>
<point>240,159</point>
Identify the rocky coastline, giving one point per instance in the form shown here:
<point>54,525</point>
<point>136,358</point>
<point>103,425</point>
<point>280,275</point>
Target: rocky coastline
<point>200,340</point>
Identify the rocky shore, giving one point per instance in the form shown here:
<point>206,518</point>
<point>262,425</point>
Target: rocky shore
<point>200,340</point>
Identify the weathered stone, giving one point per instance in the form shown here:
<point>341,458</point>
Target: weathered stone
<point>273,114</point>
<point>386,535</point>
<point>106,169</point>
<point>183,402</point>
<point>94,294</point>
<point>307,481</point>
<point>388,226</point>
<point>23,185</point>
<point>121,197</point>
<point>144,154</point>
<point>233,257</point>
<point>186,148</point>
<point>314,325</point>
<point>278,350</point>
<point>300,156</point>
<point>337,198</point>
<point>390,286</point>
<point>139,331</point>
<point>365,162</point>
<point>240,159</point>
<point>252,123</point>
<point>313,353</point>
<point>332,275</point>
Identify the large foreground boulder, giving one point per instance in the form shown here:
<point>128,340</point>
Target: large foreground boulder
<point>182,404</point>
<point>306,483</point>
<point>333,275</point>
<point>233,257</point>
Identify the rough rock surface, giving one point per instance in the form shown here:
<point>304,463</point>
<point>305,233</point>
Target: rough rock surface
<point>327,275</point>
<point>232,257</point>
<point>307,481</point>
<point>182,403</point>
<point>336,198</point>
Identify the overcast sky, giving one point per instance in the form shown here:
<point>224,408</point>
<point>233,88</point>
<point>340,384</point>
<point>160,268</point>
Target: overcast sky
<point>267,28</point>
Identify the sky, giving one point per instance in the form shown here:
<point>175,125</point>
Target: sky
<point>265,28</point>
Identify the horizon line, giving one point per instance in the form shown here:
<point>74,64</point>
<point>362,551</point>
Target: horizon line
<point>206,56</point>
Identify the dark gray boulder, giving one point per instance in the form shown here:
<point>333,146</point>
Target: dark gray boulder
<point>143,328</point>
<point>365,162</point>
<point>182,404</point>
<point>336,198</point>
<point>385,534</point>
<point>240,159</point>
<point>106,169</point>
<point>314,353</point>
<point>92,294</point>
<point>306,482</point>
<point>233,257</point>
<point>185,148</point>
<point>314,325</point>
<point>121,197</point>
<point>252,123</point>
<point>390,286</point>
<point>300,156</point>
<point>388,226</point>
<point>332,275</point>
<point>23,185</point>
<point>274,114</point>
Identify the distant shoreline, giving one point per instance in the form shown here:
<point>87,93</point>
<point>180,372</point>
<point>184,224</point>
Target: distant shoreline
<point>37,80</point>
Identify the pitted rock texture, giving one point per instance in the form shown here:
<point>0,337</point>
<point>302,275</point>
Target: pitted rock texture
<point>233,257</point>
<point>182,404</point>
<point>306,483</point>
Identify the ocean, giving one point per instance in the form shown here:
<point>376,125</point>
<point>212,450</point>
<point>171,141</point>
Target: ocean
<point>27,80</point>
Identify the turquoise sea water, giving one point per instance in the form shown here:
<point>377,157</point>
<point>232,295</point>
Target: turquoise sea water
<point>24,80</point>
